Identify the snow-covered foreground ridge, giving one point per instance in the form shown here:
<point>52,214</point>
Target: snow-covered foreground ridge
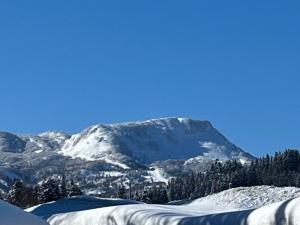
<point>246,198</point>
<point>76,203</point>
<point>232,207</point>
<point>282,213</point>
<point>12,215</point>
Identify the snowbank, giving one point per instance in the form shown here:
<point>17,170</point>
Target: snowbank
<point>73,204</point>
<point>12,215</point>
<point>243,198</point>
<point>231,207</point>
<point>286,212</point>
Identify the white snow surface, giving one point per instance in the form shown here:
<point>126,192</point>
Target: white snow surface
<point>239,206</point>
<point>76,203</point>
<point>246,198</point>
<point>150,141</point>
<point>38,151</point>
<point>59,137</point>
<point>12,215</point>
<point>157,175</point>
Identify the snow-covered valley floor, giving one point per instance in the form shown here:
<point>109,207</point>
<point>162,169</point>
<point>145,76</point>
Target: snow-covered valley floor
<point>262,205</point>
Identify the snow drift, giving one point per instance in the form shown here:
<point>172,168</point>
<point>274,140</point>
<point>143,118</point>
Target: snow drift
<point>77,203</point>
<point>12,215</point>
<point>233,207</point>
<point>283,213</point>
<point>243,198</point>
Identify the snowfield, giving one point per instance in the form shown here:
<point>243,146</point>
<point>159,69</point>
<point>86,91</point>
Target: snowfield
<point>73,204</point>
<point>157,175</point>
<point>261,205</point>
<point>286,212</point>
<point>246,198</point>
<point>12,215</point>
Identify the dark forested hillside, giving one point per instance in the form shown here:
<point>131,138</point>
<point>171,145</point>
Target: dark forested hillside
<point>282,169</point>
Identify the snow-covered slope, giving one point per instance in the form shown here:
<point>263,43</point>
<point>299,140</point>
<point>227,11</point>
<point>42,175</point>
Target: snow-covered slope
<point>58,137</point>
<point>233,207</point>
<point>282,213</point>
<point>11,215</point>
<point>152,140</point>
<point>12,143</point>
<point>73,204</point>
<point>246,198</point>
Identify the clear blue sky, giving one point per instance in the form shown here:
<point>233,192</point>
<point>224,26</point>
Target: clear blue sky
<point>65,65</point>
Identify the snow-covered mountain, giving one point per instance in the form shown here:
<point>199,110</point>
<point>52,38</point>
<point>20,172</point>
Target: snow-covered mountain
<point>17,144</point>
<point>148,151</point>
<point>153,140</point>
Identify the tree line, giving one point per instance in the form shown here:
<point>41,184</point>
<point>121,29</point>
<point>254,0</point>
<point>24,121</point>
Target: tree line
<point>282,169</point>
<point>50,189</point>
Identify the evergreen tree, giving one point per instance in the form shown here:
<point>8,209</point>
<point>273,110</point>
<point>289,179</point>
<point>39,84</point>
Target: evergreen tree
<point>63,187</point>
<point>163,195</point>
<point>49,191</point>
<point>74,189</point>
<point>281,170</point>
<point>121,192</point>
<point>21,195</point>
<point>146,196</point>
<point>17,194</point>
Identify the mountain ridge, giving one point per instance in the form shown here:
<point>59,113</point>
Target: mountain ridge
<point>153,149</point>
<point>153,138</point>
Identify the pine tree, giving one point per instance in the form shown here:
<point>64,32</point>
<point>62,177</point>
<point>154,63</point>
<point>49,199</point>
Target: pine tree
<point>146,196</point>
<point>21,194</point>
<point>137,196</point>
<point>121,192</point>
<point>63,187</point>
<point>297,180</point>
<point>49,191</point>
<point>17,193</point>
<point>73,189</point>
<point>163,195</point>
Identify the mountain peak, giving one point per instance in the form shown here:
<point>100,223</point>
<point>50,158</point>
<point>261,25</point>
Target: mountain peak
<point>164,121</point>
<point>152,140</point>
